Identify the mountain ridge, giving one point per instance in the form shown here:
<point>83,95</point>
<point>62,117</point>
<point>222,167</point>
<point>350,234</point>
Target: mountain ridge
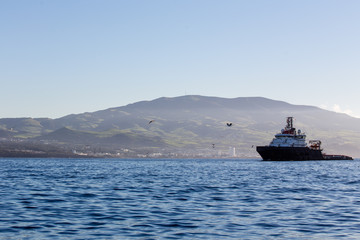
<point>189,124</point>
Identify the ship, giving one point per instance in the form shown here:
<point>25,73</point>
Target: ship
<point>291,145</point>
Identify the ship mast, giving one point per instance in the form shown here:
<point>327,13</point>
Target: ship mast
<point>289,128</point>
<point>289,121</point>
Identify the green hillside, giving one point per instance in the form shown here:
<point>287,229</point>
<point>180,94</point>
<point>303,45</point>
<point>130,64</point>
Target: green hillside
<point>190,124</point>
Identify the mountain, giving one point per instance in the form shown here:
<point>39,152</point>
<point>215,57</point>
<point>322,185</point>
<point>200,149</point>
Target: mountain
<point>190,125</point>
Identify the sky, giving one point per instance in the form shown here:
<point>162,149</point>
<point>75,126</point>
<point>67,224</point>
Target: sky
<point>64,57</point>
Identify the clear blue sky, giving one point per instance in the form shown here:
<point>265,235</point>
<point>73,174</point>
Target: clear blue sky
<point>62,57</point>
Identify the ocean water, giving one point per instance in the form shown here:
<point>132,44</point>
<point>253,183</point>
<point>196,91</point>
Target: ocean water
<point>178,199</point>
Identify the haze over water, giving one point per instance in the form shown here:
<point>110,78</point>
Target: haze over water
<point>178,199</point>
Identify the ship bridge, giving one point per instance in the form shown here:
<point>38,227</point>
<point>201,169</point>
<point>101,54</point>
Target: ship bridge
<point>289,137</point>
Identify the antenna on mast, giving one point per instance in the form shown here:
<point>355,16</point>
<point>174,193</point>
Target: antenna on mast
<point>289,121</point>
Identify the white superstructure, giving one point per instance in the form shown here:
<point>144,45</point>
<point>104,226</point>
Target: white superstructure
<point>289,137</point>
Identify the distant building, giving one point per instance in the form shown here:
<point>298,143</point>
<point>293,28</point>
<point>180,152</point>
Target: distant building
<point>232,152</point>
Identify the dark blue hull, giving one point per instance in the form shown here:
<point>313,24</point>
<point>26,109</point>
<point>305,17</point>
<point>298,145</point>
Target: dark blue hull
<point>289,153</point>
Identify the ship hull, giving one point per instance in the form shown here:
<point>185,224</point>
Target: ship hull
<point>269,153</point>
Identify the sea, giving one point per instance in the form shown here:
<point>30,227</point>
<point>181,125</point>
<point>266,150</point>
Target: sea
<point>178,199</point>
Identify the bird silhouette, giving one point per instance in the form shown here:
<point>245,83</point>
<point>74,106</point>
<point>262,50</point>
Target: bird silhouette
<point>229,124</point>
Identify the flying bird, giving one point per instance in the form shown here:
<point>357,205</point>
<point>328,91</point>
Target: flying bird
<point>151,121</point>
<point>229,124</point>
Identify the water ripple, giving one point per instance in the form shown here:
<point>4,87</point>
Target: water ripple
<point>178,199</point>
